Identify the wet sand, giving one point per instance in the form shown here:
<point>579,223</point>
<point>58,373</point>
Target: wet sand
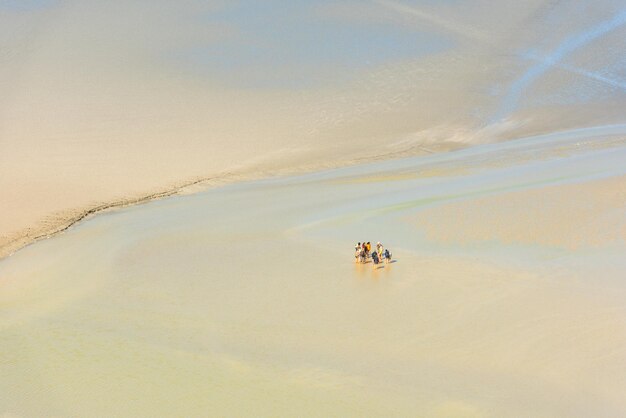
<point>505,297</point>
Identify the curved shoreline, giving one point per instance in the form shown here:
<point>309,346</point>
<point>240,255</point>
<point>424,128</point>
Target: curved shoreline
<point>21,240</point>
<point>58,223</point>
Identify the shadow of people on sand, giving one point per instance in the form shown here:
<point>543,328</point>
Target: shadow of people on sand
<point>382,265</point>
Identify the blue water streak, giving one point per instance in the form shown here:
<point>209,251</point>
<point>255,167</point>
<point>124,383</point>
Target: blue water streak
<point>571,44</point>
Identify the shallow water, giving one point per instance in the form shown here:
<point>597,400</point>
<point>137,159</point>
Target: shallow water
<point>245,301</point>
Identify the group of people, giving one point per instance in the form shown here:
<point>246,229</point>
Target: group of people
<point>363,251</point>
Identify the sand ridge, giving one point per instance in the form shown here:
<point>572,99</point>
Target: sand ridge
<point>14,239</point>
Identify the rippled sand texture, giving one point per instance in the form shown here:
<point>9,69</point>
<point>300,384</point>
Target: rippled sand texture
<point>506,297</point>
<point>99,103</point>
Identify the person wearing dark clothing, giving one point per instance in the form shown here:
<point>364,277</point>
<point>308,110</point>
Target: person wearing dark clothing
<point>375,257</point>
